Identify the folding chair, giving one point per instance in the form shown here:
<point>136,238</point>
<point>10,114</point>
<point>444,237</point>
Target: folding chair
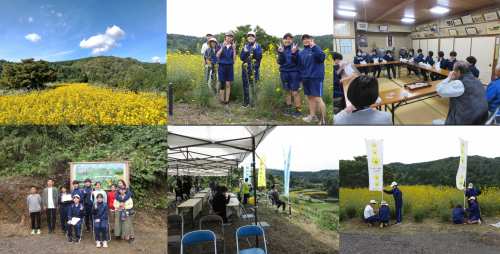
<point>185,196</point>
<point>263,225</point>
<point>81,231</point>
<point>246,216</point>
<point>108,229</point>
<point>250,231</point>
<point>213,219</point>
<point>171,205</point>
<point>173,239</point>
<point>179,200</point>
<point>492,116</point>
<point>198,237</point>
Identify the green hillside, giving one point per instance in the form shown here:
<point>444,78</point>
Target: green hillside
<point>307,175</point>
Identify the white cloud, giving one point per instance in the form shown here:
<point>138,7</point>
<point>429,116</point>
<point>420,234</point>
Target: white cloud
<point>30,19</point>
<point>156,59</point>
<point>33,37</point>
<point>104,42</point>
<point>52,12</point>
<point>59,14</point>
<point>64,24</point>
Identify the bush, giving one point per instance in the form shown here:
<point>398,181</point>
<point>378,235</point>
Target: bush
<point>343,215</point>
<point>28,74</point>
<point>445,215</point>
<point>351,212</point>
<point>419,214</point>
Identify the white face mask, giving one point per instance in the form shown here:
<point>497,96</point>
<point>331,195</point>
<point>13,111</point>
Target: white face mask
<point>359,54</point>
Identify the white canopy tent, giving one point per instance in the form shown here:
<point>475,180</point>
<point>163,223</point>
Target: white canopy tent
<point>195,172</point>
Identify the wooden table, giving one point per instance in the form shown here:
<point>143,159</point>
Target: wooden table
<point>196,206</point>
<point>380,64</point>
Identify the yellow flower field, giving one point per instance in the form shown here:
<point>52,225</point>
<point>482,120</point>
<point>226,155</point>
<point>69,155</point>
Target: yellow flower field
<point>419,198</point>
<point>80,103</point>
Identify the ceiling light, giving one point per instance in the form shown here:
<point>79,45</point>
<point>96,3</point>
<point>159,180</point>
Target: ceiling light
<point>438,9</point>
<point>347,13</point>
<point>407,20</point>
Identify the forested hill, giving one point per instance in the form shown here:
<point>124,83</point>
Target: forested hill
<point>307,175</point>
<point>112,71</point>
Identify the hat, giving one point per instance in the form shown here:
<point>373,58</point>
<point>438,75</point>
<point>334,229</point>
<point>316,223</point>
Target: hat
<point>208,35</point>
<point>393,184</point>
<point>76,196</point>
<point>459,204</point>
<point>229,33</point>
<point>304,36</point>
<point>213,39</point>
<point>287,34</point>
<point>250,33</point>
<point>123,187</point>
<point>383,202</point>
<point>373,201</point>
<point>474,198</point>
<point>471,185</point>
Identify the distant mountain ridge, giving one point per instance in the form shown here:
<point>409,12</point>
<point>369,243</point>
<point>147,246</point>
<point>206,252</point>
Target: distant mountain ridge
<point>307,175</point>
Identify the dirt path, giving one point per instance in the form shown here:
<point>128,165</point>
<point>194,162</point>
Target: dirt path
<point>460,242</point>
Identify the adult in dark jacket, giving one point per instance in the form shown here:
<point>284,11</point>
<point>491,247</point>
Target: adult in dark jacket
<point>219,203</point>
<point>398,199</point>
<point>384,214</point>
<point>214,184</point>
<point>459,214</point>
<point>475,212</point>
<point>468,102</point>
<point>186,187</point>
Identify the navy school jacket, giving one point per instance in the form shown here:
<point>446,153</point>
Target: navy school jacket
<point>384,213</point>
<point>101,212</point>
<point>474,71</point>
<point>474,210</point>
<point>387,58</point>
<point>357,61</point>
<point>312,63</point>
<point>338,90</point>
<point>79,192</point>
<point>458,213</point>
<point>287,60</point>
<point>211,55</point>
<point>473,193</point>
<point>429,60</point>
<point>256,54</point>
<point>74,211</point>
<point>374,57</point>
<point>449,64</point>
<point>226,57</point>
<point>398,195</point>
<point>419,58</point>
<point>88,196</point>
<point>65,203</point>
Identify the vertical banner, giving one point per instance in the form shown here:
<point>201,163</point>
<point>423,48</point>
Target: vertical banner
<point>247,167</point>
<point>287,171</point>
<point>374,155</point>
<point>462,165</point>
<point>262,171</point>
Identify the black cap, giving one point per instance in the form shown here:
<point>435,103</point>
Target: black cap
<point>123,187</point>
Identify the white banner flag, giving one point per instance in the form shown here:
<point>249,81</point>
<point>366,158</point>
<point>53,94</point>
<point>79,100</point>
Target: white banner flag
<point>462,166</point>
<point>374,155</point>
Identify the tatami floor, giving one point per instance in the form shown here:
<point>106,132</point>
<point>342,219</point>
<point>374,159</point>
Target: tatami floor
<point>418,113</point>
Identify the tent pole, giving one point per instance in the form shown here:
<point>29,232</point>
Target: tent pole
<point>254,192</point>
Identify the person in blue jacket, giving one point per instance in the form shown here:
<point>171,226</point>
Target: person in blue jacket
<point>250,55</point>
<point>128,194</point>
<point>226,55</point>
<point>358,58</point>
<point>88,202</point>
<point>440,60</point>
<point>472,65</point>
<point>63,208</point>
<point>384,214</point>
<point>76,190</point>
<point>312,72</point>
<point>427,60</point>
<point>398,199</point>
<point>472,192</point>
<point>450,62</point>
<point>100,218</point>
<point>375,68</point>
<point>475,212</point>
<point>288,59</point>
<point>493,94</point>
<point>210,57</point>
<point>75,210</point>
<point>389,57</point>
<point>411,54</point>
<point>459,214</point>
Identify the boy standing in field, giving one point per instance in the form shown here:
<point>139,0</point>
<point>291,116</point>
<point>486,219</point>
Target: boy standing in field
<point>76,190</point>
<point>251,55</point>
<point>34,206</point>
<point>50,196</point>
<point>312,72</point>
<point>87,202</point>
<point>63,209</point>
<point>211,62</point>
<point>288,59</point>
<point>226,55</point>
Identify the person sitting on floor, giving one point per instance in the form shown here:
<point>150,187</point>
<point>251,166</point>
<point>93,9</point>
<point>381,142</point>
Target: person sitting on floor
<point>370,213</point>
<point>450,62</point>
<point>459,214</point>
<point>475,212</point>
<point>384,214</point>
<point>468,103</point>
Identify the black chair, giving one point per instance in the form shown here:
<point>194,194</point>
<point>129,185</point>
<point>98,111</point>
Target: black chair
<point>215,219</point>
<point>173,239</point>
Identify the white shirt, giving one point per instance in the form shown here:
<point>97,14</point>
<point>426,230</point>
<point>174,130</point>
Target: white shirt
<point>204,48</point>
<point>50,199</point>
<point>369,212</point>
<point>447,88</point>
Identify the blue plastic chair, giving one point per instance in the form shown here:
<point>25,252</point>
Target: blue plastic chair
<point>197,237</point>
<point>250,231</point>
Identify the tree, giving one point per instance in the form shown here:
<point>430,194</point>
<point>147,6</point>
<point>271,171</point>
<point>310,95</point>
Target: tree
<point>28,74</point>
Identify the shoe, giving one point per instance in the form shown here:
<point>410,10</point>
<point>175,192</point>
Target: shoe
<point>78,240</point>
<point>70,239</point>
<point>132,240</point>
<point>119,239</point>
<point>310,119</point>
<point>226,224</point>
<point>297,114</point>
<point>322,122</point>
<point>38,232</point>
<point>105,244</point>
<point>481,219</point>
<point>397,223</point>
<point>288,111</point>
<point>227,104</point>
<point>479,222</point>
<point>276,211</point>
<point>381,225</point>
<point>98,244</point>
<point>112,231</point>
<point>245,105</point>
<point>385,225</point>
<point>369,224</point>
<point>33,231</point>
<point>222,103</point>
<point>284,213</point>
<point>389,77</point>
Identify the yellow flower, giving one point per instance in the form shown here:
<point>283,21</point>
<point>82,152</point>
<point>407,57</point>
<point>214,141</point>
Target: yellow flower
<point>375,161</point>
<point>463,144</point>
<point>374,152</point>
<point>374,145</point>
<point>277,90</point>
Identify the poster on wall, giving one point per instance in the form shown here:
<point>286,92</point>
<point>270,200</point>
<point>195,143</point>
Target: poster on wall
<point>341,28</point>
<point>362,41</point>
<point>107,173</point>
<point>390,41</point>
<point>345,46</point>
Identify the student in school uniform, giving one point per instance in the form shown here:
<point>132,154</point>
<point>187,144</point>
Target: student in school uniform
<point>440,60</point>
<point>88,202</point>
<point>389,57</point>
<point>418,59</point>
<point>358,59</point>
<point>450,62</point>
<point>427,60</point>
<point>411,54</point>
<point>226,56</point>
<point>493,94</point>
<point>338,89</point>
<point>63,209</point>
<point>472,65</point>
<point>373,56</point>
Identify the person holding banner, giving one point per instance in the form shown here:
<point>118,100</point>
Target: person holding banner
<point>398,199</point>
<point>472,192</point>
<point>459,214</point>
<point>475,212</point>
<point>370,213</point>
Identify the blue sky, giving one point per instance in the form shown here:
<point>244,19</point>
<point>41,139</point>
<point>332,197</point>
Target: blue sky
<point>67,30</point>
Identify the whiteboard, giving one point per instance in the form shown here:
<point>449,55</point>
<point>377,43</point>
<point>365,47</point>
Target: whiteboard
<point>433,45</point>
<point>446,46</point>
<point>462,47</point>
<point>483,49</point>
